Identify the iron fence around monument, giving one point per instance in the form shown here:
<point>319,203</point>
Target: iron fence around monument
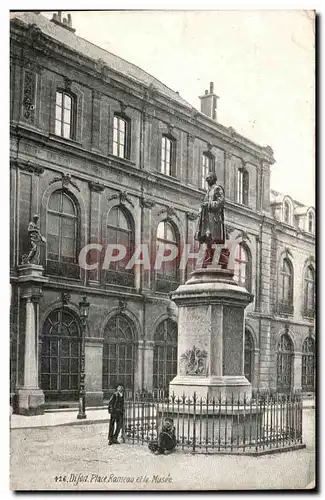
<point>265,423</point>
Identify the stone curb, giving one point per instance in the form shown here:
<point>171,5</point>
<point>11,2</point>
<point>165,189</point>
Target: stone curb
<point>77,422</point>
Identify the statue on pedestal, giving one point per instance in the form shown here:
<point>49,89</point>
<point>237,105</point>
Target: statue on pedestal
<point>35,239</point>
<point>211,227</point>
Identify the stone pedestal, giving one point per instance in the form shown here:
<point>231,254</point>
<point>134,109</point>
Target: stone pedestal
<point>211,337</point>
<point>30,396</point>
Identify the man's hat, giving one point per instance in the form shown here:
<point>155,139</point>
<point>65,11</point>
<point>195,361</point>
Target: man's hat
<point>170,420</point>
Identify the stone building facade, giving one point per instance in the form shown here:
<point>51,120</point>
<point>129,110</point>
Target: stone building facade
<point>105,153</point>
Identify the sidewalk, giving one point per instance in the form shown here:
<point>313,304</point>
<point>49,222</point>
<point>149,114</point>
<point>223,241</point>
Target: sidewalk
<point>62,417</point>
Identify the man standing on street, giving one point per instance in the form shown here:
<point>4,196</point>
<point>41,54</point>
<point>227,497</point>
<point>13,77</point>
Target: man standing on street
<point>116,410</point>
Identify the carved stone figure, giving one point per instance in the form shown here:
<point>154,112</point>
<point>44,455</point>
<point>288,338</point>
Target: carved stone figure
<point>211,227</point>
<point>194,361</point>
<point>35,239</point>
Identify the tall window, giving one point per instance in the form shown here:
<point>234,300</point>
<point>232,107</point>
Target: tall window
<point>311,222</point>
<point>165,354</point>
<point>207,165</point>
<point>286,286</point>
<point>284,363</point>
<point>248,356</point>
<point>121,137</point>
<point>167,273</point>
<point>308,365</point>
<point>242,268</point>
<point>168,156</point>
<point>119,354</point>
<point>120,232</point>
<point>242,186</point>
<point>309,290</point>
<point>60,356</point>
<point>287,212</point>
<point>64,115</point>
<point>62,233</point>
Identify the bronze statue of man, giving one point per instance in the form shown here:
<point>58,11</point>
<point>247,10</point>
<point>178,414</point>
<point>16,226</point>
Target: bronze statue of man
<point>211,227</point>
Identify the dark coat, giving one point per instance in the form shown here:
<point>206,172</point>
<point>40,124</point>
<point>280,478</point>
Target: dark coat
<point>116,403</point>
<point>211,227</point>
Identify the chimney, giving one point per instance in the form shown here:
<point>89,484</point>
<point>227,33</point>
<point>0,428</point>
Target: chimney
<point>65,22</point>
<point>209,102</point>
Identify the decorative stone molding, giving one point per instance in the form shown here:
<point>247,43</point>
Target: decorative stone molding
<point>228,155</point>
<point>122,196</point>
<point>192,215</point>
<point>34,33</point>
<point>123,107</point>
<point>170,128</point>
<point>170,211</point>
<point>67,84</point>
<point>66,180</point>
<point>96,187</point>
<point>190,138</point>
<point>243,235</point>
<point>29,95</point>
<point>146,203</point>
<point>102,68</point>
<point>150,92</point>
<point>65,298</point>
<point>121,305</point>
<point>210,146</point>
<point>29,167</point>
<point>194,114</point>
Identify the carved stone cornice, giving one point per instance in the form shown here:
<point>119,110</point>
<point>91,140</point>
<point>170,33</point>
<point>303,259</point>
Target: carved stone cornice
<point>66,181</point>
<point>96,187</point>
<point>102,68</point>
<point>29,167</point>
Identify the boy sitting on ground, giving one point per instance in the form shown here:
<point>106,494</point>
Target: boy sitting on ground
<point>166,442</point>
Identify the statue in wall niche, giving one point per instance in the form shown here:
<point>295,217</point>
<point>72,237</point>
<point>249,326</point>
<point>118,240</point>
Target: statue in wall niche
<point>35,240</point>
<point>211,226</point>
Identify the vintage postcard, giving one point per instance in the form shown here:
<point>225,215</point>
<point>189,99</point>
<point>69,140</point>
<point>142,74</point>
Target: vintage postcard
<point>162,250</point>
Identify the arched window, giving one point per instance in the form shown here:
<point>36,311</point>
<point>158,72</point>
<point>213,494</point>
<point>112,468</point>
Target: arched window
<point>121,137</point>
<point>165,354</point>
<point>243,265</point>
<point>207,165</point>
<point>308,365</point>
<point>167,244</point>
<point>60,356</point>
<point>62,235</point>
<point>286,287</point>
<point>242,186</point>
<point>64,115</point>
<point>168,156</point>
<point>284,363</point>
<point>120,232</point>
<point>287,212</point>
<point>309,291</point>
<point>248,356</point>
<point>119,354</point>
<point>311,222</point>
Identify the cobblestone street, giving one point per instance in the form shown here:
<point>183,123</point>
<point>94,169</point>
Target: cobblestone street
<point>40,456</point>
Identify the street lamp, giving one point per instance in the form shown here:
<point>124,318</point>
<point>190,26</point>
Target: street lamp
<point>84,311</point>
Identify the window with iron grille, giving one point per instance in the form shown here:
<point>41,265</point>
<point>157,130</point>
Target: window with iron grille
<point>121,137</point>
<point>120,231</point>
<point>308,365</point>
<point>119,354</point>
<point>168,156</point>
<point>60,356</point>
<point>284,364</point>
<point>309,291</point>
<point>248,356</point>
<point>243,266</point>
<point>62,234</point>
<point>165,354</point>
<point>64,115</point>
<point>286,287</point>
<point>167,241</point>
<point>207,165</point>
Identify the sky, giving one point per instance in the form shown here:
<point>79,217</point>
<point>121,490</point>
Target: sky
<point>261,63</point>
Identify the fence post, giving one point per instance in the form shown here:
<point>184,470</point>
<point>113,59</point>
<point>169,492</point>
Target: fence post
<point>194,421</point>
